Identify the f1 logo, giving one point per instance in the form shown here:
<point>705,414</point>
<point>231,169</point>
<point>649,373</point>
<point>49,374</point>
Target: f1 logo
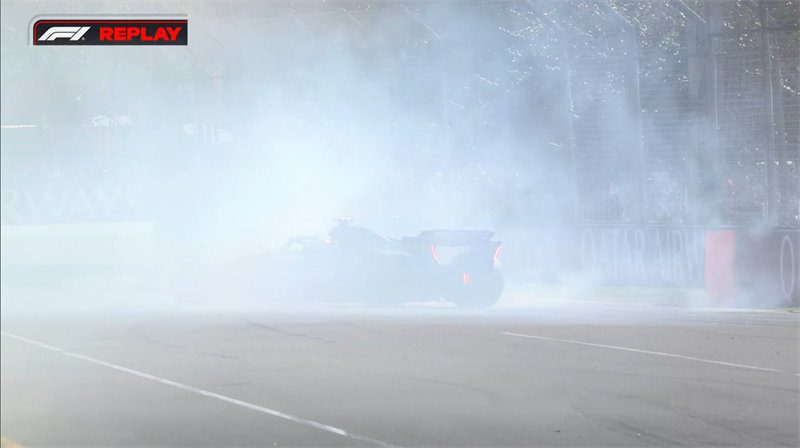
<point>64,32</point>
<point>110,31</point>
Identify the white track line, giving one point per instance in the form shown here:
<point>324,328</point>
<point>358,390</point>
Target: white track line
<point>648,352</point>
<point>205,393</point>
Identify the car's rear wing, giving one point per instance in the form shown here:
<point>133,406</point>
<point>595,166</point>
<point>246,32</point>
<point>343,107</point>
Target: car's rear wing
<point>451,237</point>
<point>475,245</point>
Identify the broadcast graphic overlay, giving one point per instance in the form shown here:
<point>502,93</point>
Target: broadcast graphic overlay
<point>107,31</point>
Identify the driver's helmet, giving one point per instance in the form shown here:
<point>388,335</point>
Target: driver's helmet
<point>341,229</point>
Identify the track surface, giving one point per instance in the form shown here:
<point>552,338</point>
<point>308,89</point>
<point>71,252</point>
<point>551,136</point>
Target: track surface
<point>564,376</point>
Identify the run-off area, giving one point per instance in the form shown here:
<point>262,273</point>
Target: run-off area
<point>404,378</point>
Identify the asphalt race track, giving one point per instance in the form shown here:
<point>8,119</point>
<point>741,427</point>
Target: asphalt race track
<point>563,376</point>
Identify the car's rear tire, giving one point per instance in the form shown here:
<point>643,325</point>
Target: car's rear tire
<point>481,292</point>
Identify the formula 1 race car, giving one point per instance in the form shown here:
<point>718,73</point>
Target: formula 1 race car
<point>355,263</point>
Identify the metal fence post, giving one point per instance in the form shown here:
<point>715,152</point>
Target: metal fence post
<point>769,112</point>
<point>634,100</point>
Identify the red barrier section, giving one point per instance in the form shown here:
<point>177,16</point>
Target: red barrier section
<point>720,263</point>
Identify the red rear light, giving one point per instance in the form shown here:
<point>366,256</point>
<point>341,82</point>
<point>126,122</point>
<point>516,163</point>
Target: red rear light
<point>466,278</point>
<point>497,254</point>
<point>434,253</point>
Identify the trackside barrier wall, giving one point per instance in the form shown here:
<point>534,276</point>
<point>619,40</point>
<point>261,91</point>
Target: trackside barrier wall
<point>720,264</point>
<point>761,267</point>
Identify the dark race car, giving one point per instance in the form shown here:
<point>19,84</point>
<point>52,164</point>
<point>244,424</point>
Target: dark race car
<point>355,263</point>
